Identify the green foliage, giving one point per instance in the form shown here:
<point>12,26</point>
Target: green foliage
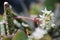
<point>0,17</point>
<point>20,35</point>
<point>50,4</point>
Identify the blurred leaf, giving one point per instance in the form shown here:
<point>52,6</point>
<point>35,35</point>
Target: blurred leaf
<point>20,35</point>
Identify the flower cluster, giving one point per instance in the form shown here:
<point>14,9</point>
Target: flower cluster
<point>47,19</point>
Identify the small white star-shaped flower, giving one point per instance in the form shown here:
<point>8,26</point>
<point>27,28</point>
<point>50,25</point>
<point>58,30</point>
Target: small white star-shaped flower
<point>46,18</point>
<point>53,25</point>
<point>42,17</point>
<point>52,14</point>
<point>46,11</point>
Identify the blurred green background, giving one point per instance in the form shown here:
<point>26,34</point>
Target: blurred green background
<point>50,4</point>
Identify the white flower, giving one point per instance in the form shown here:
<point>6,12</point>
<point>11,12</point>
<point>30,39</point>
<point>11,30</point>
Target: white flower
<point>52,14</point>
<point>41,17</point>
<point>42,25</point>
<point>47,18</point>
<point>46,11</point>
<point>39,33</point>
<point>53,25</point>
